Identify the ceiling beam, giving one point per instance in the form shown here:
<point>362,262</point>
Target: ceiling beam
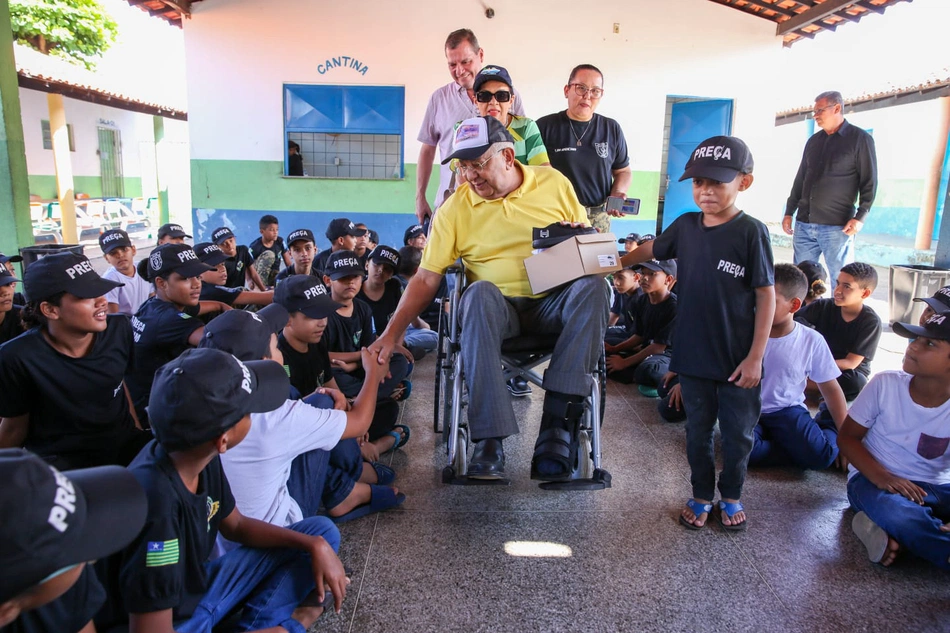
<point>182,6</point>
<point>812,15</point>
<point>771,7</point>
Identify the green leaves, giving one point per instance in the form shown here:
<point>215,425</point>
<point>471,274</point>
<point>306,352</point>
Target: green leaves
<point>77,30</point>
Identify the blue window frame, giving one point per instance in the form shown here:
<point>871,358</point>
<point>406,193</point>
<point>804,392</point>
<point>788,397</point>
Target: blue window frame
<point>346,131</point>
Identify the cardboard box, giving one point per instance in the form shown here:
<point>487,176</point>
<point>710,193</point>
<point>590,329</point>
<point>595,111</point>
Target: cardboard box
<point>594,254</point>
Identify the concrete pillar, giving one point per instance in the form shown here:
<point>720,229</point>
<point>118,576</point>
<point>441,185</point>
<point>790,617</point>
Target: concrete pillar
<point>161,168</point>
<point>16,228</point>
<point>928,203</point>
<point>64,167</point>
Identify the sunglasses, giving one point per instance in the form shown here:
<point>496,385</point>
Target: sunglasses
<point>485,96</point>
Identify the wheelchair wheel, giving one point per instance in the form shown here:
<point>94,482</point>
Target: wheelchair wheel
<point>460,463</point>
<point>442,352</point>
<point>585,462</point>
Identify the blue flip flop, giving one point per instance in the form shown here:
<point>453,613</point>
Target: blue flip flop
<point>731,510</point>
<point>697,508</point>
<point>384,474</point>
<point>401,438</point>
<point>381,498</point>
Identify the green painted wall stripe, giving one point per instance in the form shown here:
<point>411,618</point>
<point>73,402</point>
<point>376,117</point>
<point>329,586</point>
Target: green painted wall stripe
<point>259,185</point>
<point>45,186</point>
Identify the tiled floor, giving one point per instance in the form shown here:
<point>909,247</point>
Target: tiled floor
<point>616,560</point>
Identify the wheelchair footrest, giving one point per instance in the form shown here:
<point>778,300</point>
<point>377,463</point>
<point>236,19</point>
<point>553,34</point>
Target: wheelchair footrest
<point>449,477</point>
<point>599,481</point>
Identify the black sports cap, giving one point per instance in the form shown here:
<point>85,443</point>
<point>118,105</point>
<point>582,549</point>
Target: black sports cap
<point>555,233</point>
<point>936,327</point>
<point>306,294</point>
<point>412,233</point>
<point>474,136</point>
<point>65,272</point>
<point>631,237</point>
<point>175,258</point>
<point>667,266</point>
<point>210,254</point>
<point>220,235</point>
<point>172,230</point>
<point>204,392</point>
<point>16,259</point>
<point>244,334</point>
<point>6,278</point>
<point>373,236</point>
<point>341,227</point>
<point>342,264</point>
<point>385,255</point>
<point>55,520</point>
<point>300,234</point>
<point>939,302</point>
<point>113,239</point>
<point>719,158</point>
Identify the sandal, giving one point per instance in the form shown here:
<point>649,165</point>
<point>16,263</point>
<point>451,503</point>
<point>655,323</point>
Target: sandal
<point>381,498</point>
<point>731,510</point>
<point>402,391</point>
<point>400,438</point>
<point>384,474</point>
<point>697,509</point>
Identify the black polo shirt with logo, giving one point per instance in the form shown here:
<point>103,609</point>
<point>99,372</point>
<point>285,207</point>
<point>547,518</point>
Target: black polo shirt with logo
<point>237,267</point>
<point>309,370</point>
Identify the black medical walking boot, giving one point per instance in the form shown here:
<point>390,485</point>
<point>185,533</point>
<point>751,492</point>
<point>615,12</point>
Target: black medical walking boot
<point>555,452</point>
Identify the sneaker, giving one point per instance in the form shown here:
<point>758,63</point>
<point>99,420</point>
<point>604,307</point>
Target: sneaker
<point>518,386</point>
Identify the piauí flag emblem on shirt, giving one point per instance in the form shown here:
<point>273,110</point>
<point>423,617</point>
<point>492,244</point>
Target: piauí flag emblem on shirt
<point>161,553</point>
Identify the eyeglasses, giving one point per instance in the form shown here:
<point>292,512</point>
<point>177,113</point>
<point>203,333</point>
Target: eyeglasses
<point>581,91</point>
<point>485,96</point>
<point>463,169</point>
<point>820,110</point>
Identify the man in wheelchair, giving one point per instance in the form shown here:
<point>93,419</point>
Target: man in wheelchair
<point>488,223</point>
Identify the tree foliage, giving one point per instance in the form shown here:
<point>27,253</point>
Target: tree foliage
<point>78,30</point>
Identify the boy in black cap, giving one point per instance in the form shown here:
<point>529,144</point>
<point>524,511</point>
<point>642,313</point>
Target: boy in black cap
<point>415,236</point>
<point>268,250</point>
<point>362,248</point>
<point>290,460</point>
<point>350,328</point>
<point>8,261</point>
<point>200,408</point>
<point>172,233</point>
<point>119,251</point>
<point>342,235</point>
<point>372,239</point>
<point>895,438</point>
<point>239,264</point>
<point>629,242</point>
<point>63,521</point>
<point>10,325</point>
<point>213,286</point>
<point>721,252</point>
<point>166,325</point>
<point>644,357</point>
<point>303,250</point>
<point>937,304</point>
<point>63,394</point>
<point>626,283</point>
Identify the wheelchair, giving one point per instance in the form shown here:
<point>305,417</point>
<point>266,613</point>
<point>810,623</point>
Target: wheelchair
<point>520,356</point>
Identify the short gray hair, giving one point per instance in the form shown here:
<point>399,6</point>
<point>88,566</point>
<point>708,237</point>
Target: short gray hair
<point>833,96</point>
<point>500,145</point>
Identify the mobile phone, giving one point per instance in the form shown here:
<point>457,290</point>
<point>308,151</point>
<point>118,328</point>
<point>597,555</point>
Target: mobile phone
<point>631,206</point>
<point>614,203</point>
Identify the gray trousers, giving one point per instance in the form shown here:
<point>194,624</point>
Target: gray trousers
<point>577,312</point>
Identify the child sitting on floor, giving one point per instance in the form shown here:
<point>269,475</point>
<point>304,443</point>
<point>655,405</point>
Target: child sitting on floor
<point>626,282</point>
<point>239,264</point>
<point>268,250</point>
<point>939,302</point>
<point>786,433</point>
<point>213,282</point>
<point>895,438</point>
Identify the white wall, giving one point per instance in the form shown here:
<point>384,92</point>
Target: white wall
<point>240,52</point>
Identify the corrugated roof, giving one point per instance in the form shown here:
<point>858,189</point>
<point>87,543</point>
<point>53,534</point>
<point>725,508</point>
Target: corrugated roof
<point>172,11</point>
<point>799,19</point>
<point>52,74</point>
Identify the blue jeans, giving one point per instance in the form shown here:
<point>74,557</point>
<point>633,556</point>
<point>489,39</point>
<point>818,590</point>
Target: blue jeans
<point>916,527</point>
<point>810,241</point>
<point>270,583</point>
<point>738,412</point>
<point>426,339</point>
<point>791,437</point>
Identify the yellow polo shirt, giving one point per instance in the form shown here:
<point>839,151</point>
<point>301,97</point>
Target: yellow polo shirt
<point>493,237</point>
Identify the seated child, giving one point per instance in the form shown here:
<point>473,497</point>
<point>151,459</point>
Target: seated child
<point>10,325</point>
<point>308,363</point>
<point>7,261</point>
<point>350,328</point>
<point>239,264</point>
<point>895,438</point>
<point>382,292</point>
<point>200,408</point>
<point>362,249</point>
<point>851,328</point>
<point>644,357</point>
<point>213,286</point>
<point>937,304</point>
<point>415,236</point>
<point>629,242</point>
<point>343,236</point>
<point>786,433</point>
<point>119,251</point>
<point>627,290</point>
<point>63,522</point>
<point>409,259</point>
<point>280,472</point>
<point>268,251</point>
<point>63,395</point>
<point>372,240</point>
<point>817,280</point>
<point>303,249</point>
<point>171,233</point>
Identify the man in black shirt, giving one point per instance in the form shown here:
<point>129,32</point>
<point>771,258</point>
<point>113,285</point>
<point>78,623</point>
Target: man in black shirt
<point>63,521</point>
<point>838,166</point>
<point>588,148</point>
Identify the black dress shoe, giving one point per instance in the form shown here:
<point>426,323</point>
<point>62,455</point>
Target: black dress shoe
<point>488,460</point>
